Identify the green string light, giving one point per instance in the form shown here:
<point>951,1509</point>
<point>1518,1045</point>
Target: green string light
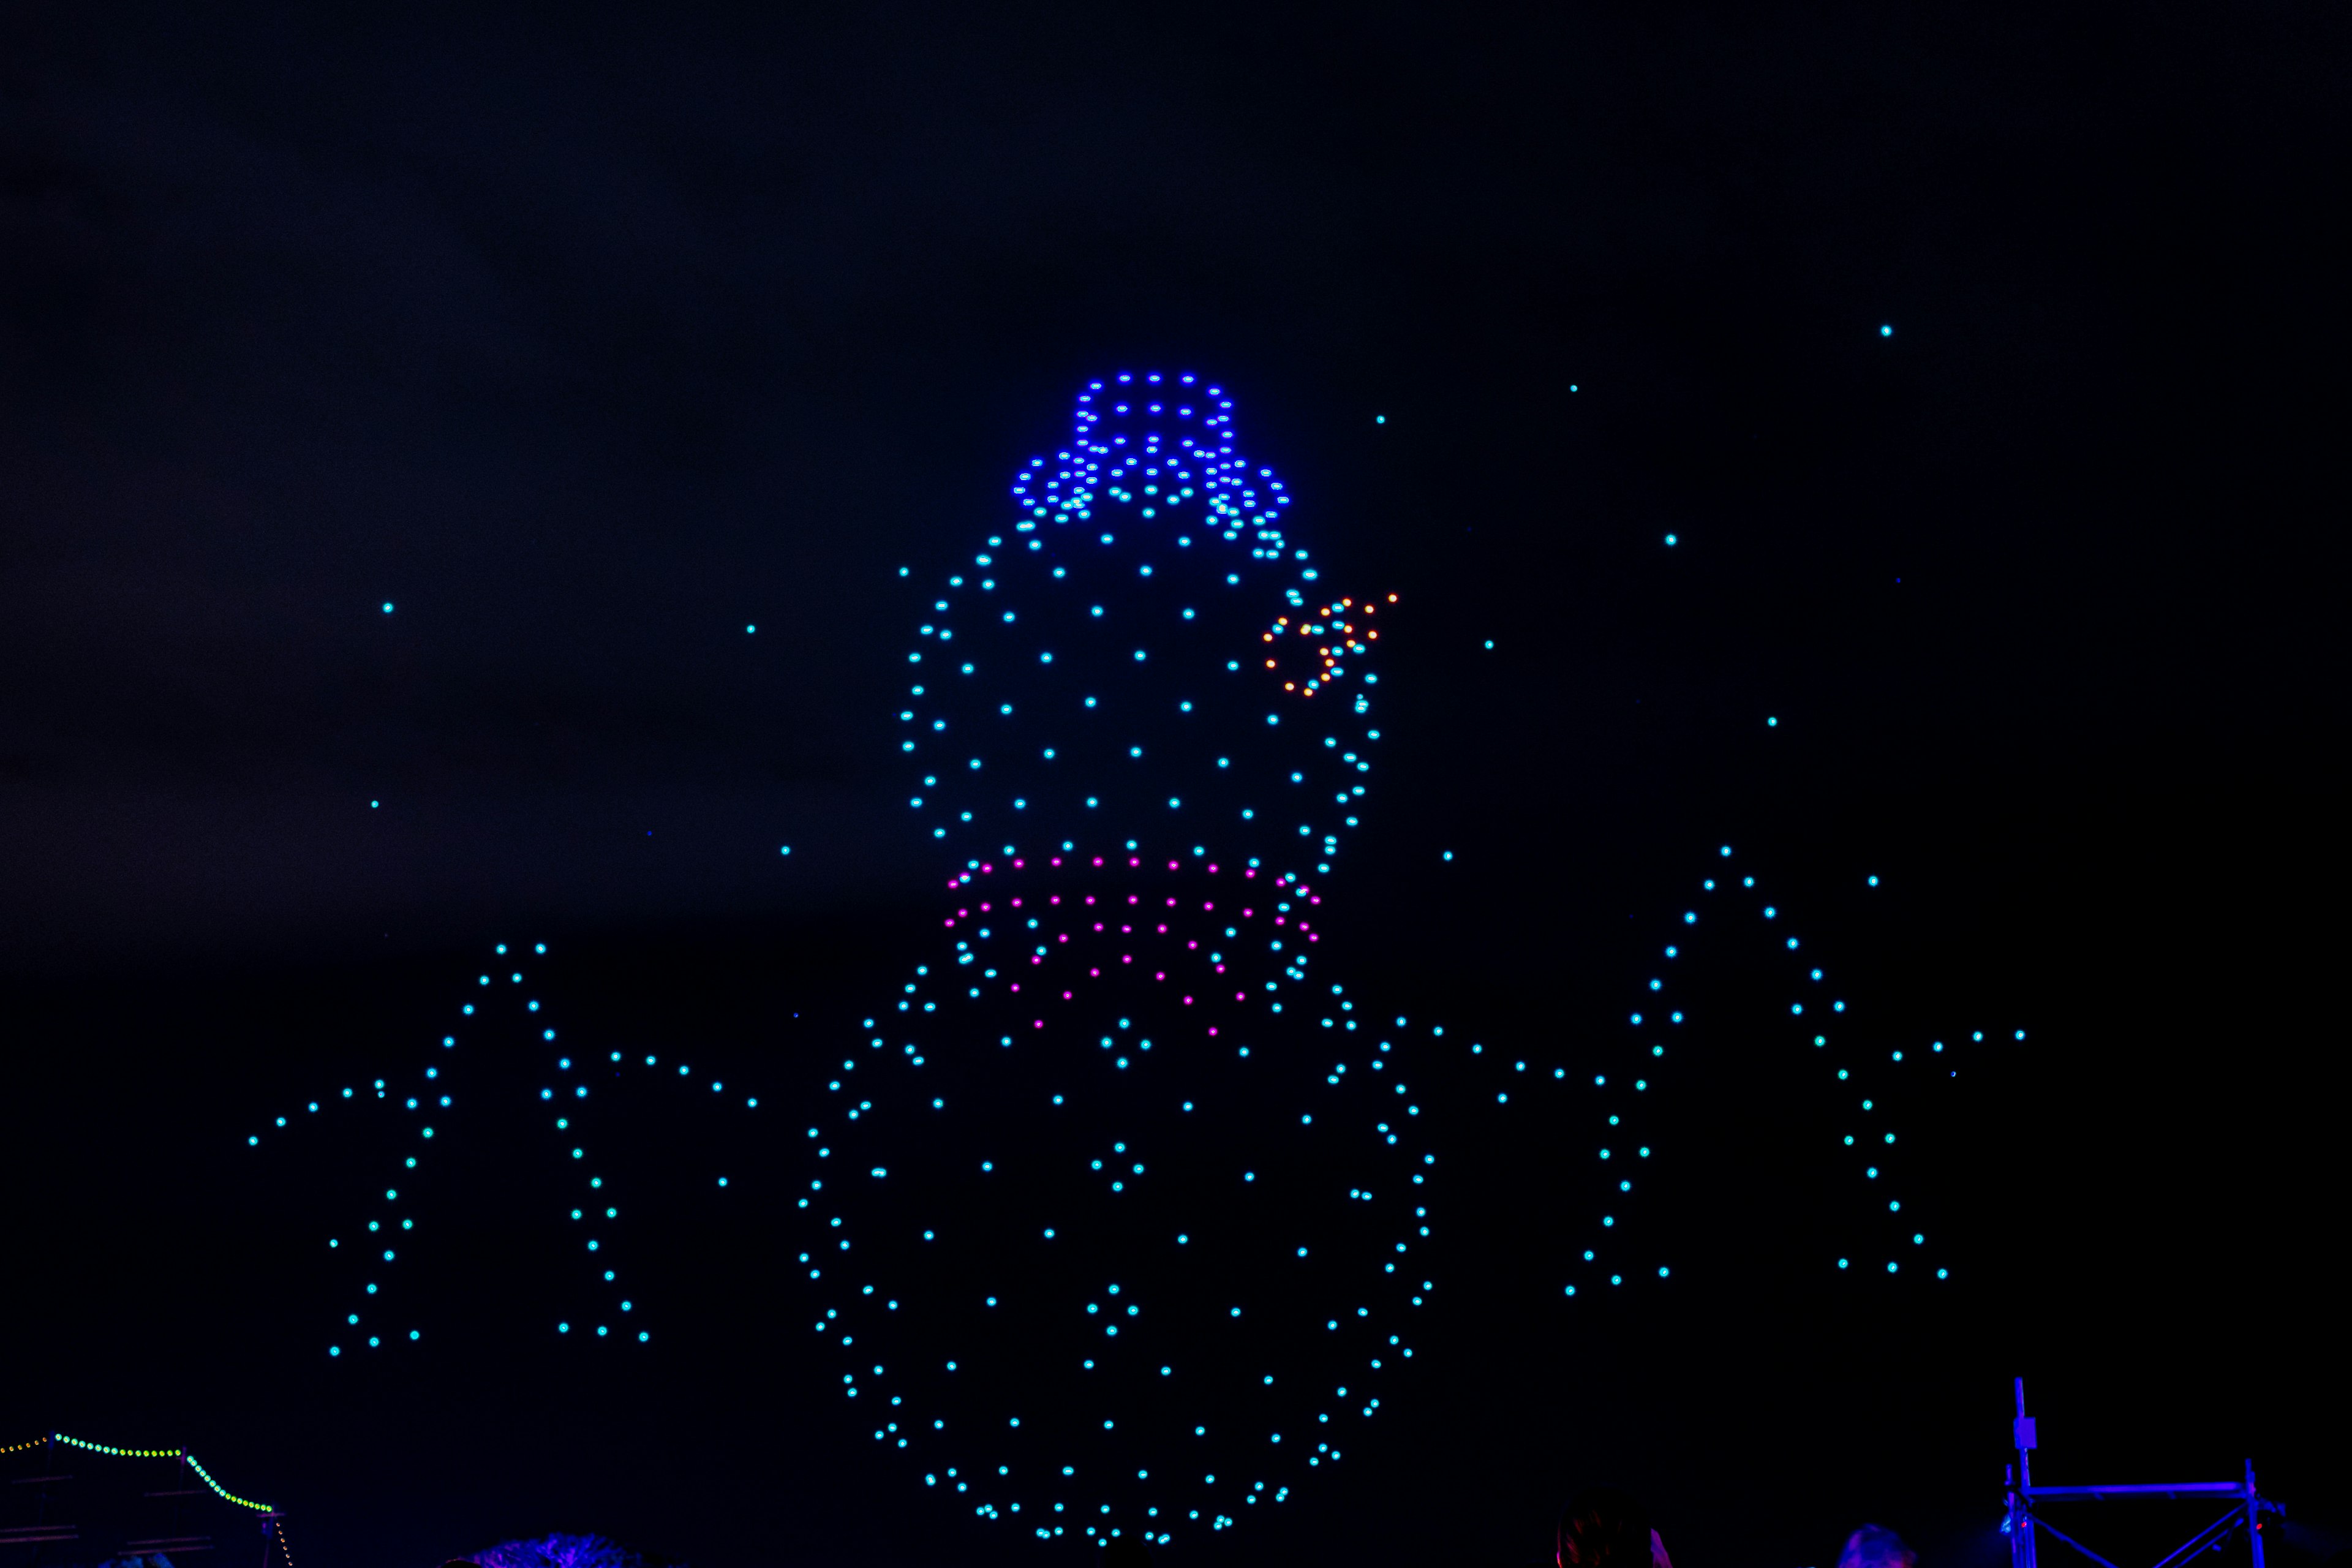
<point>206,1476</point>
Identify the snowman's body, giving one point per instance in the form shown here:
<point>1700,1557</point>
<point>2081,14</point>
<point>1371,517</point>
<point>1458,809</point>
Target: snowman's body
<point>1138,1194</point>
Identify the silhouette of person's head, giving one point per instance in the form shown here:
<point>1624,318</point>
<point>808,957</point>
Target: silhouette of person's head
<point>1605,1528</point>
<point>1126,1551</point>
<point>1875,1546</point>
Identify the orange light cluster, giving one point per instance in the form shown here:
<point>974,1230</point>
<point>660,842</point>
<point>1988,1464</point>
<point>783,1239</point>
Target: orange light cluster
<point>1341,637</point>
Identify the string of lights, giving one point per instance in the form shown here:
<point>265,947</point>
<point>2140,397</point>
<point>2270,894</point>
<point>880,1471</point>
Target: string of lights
<point>114,1451</point>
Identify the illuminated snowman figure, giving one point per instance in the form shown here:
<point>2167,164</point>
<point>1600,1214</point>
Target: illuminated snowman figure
<point>1116,1217</point>
<point>1117,1214</point>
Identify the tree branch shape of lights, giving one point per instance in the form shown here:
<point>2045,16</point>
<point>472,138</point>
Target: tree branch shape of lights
<point>560,1100</point>
<point>1870,1081</point>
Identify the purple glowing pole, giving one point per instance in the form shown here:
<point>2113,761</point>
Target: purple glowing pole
<point>2020,1523</point>
<point>2253,1515</point>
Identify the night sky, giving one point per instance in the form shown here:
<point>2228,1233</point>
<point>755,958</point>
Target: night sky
<point>590,338</point>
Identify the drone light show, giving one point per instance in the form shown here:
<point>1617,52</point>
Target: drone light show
<point>830,784</point>
<point>539,1090</point>
<point>1118,1222</point>
<point>1116,1218</point>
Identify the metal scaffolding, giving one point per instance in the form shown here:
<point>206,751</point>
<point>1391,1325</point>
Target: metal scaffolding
<point>2022,1524</point>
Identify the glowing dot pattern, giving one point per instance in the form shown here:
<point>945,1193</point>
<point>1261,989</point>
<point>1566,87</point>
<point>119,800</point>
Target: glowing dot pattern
<point>1115,1220</point>
<point>114,1451</point>
<point>564,1110</point>
<point>1867,1078</point>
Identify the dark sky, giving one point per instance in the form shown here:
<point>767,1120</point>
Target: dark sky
<point>588,336</point>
